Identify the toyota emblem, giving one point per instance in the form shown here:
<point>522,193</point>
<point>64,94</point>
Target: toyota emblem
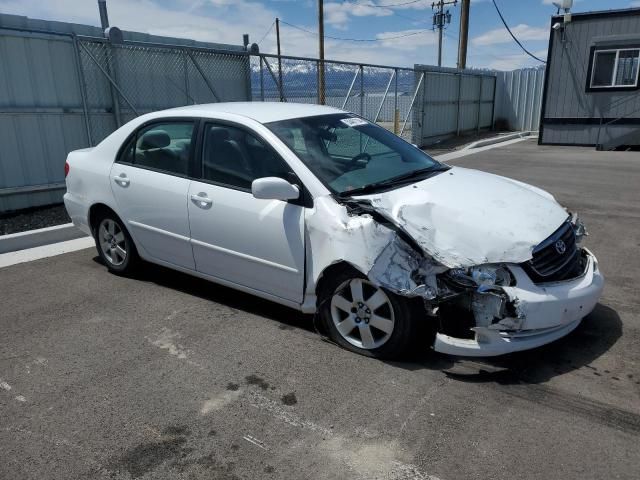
<point>561,247</point>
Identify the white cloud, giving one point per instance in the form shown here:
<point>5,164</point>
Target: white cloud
<point>514,61</point>
<point>195,19</point>
<point>337,14</point>
<point>500,35</point>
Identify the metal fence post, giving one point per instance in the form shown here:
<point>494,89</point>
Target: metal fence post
<point>493,103</point>
<point>361,91</point>
<point>319,94</point>
<point>185,64</point>
<point>459,104</point>
<point>396,113</point>
<point>479,105</point>
<point>261,79</point>
<point>83,89</point>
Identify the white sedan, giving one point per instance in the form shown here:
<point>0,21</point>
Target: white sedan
<point>320,210</point>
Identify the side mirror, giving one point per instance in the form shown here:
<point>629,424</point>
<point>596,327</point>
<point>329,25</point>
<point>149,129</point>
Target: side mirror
<point>274,188</point>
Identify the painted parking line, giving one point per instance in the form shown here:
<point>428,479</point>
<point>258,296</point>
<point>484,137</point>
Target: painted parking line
<point>470,151</point>
<point>36,253</point>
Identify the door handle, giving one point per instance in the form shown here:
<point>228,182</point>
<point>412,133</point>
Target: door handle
<point>122,180</point>
<point>201,200</point>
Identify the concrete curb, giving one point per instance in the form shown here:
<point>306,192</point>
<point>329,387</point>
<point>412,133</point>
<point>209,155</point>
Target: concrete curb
<point>36,238</point>
<point>498,139</point>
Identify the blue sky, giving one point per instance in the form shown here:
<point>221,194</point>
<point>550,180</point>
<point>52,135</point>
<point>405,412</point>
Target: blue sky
<point>226,20</point>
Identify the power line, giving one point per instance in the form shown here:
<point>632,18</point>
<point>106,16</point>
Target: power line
<point>513,36</point>
<point>266,33</point>
<point>422,31</point>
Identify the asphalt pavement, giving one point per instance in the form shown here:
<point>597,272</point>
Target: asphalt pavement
<point>168,376</point>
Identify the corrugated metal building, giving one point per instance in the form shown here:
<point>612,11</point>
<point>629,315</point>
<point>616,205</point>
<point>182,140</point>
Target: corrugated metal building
<point>591,93</point>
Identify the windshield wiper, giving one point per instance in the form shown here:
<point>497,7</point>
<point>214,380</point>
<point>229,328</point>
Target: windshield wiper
<point>408,177</point>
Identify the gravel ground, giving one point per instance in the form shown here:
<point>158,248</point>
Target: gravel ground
<point>32,219</point>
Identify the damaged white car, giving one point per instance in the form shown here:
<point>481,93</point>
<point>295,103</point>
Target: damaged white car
<point>320,210</point>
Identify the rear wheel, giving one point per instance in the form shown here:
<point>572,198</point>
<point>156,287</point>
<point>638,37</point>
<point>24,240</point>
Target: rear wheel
<point>115,246</point>
<point>364,318</point>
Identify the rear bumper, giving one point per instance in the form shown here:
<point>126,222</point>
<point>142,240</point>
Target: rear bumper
<point>548,312</point>
<point>78,212</point>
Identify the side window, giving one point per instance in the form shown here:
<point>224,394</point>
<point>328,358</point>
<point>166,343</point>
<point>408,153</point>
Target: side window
<point>615,68</point>
<point>162,146</point>
<point>234,157</point>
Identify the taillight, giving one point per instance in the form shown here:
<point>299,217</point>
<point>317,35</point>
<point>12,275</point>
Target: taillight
<point>66,169</point>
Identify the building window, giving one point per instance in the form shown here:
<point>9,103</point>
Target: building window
<point>615,68</point>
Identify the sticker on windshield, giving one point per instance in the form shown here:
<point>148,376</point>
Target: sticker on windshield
<point>354,121</point>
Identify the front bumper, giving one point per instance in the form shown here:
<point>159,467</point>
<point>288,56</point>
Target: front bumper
<point>548,312</point>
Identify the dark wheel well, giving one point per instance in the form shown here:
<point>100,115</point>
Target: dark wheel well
<point>330,272</point>
<point>98,211</point>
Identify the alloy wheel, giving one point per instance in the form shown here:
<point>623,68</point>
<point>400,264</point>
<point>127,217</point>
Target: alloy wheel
<point>112,242</point>
<point>362,313</point>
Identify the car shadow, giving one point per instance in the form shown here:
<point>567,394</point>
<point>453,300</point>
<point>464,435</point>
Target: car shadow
<point>288,318</point>
<point>597,333</point>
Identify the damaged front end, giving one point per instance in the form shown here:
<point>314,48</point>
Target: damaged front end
<point>501,308</point>
<point>493,308</point>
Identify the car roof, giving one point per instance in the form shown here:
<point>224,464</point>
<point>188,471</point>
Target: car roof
<point>263,112</point>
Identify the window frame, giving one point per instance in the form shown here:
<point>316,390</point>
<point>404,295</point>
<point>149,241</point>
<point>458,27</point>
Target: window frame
<point>595,50</point>
<point>305,199</point>
<point>132,140</point>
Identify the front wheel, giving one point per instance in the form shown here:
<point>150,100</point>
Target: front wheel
<point>366,319</point>
<point>115,246</point>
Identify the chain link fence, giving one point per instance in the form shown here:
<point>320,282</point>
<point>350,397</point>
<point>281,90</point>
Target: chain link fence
<point>382,94</point>
<point>122,81</point>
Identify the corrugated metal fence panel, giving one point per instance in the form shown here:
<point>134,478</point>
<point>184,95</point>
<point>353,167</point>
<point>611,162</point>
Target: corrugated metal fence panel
<point>40,115</point>
<point>518,98</point>
<point>453,102</point>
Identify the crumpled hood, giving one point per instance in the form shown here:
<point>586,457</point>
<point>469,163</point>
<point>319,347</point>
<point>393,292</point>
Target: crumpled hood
<point>465,217</point>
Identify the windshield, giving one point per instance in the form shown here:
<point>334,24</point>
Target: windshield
<point>348,153</point>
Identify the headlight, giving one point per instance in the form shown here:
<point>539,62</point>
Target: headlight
<point>482,276</point>
<point>578,228</point>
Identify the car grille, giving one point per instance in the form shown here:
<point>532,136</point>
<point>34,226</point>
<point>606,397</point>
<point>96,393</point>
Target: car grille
<point>551,262</point>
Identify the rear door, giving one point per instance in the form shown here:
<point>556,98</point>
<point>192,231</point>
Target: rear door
<point>255,243</point>
<point>151,186</point>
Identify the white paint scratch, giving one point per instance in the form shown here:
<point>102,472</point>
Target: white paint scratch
<point>219,401</point>
<point>406,471</point>
<point>20,398</point>
<point>5,386</point>
<point>165,340</point>
<point>287,416</point>
<point>255,441</point>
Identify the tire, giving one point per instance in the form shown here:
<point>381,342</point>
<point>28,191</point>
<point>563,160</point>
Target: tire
<point>115,245</point>
<point>378,324</point>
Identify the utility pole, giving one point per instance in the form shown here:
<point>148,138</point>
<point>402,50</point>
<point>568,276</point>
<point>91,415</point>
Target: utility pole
<point>464,34</point>
<point>321,87</point>
<point>281,86</point>
<point>440,19</point>
<point>104,18</point>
